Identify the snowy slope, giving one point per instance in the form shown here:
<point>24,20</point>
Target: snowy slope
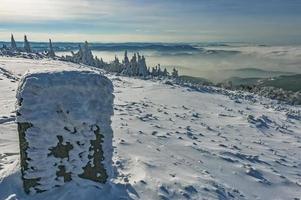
<point>172,142</point>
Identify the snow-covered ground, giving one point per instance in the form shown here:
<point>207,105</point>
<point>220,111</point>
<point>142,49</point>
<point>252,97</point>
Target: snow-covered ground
<point>172,142</point>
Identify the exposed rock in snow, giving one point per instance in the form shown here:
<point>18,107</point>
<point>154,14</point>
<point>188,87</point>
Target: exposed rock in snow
<point>64,128</point>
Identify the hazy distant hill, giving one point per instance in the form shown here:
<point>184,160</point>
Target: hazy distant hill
<point>67,46</point>
<point>236,81</point>
<point>292,82</point>
<point>286,82</point>
<point>255,73</point>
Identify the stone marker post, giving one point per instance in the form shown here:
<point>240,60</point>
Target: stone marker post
<point>64,126</point>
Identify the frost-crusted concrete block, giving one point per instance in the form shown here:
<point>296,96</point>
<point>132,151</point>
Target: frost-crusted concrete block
<point>64,125</point>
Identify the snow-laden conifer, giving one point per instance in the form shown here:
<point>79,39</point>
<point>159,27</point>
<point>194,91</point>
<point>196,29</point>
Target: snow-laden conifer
<point>51,51</point>
<point>27,47</point>
<point>13,44</point>
<point>175,73</point>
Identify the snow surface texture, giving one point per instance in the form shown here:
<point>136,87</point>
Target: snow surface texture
<point>63,110</point>
<point>172,142</point>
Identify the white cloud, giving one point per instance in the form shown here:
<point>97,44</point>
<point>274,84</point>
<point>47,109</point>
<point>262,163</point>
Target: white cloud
<point>28,11</point>
<point>167,19</point>
<point>48,10</point>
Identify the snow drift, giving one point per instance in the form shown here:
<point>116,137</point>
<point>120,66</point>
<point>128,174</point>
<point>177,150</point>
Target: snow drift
<point>64,129</point>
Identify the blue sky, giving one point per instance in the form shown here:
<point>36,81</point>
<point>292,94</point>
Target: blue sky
<point>260,21</point>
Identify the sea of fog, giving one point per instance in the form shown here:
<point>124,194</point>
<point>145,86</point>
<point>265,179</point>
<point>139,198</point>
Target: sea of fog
<point>214,61</point>
<point>218,63</point>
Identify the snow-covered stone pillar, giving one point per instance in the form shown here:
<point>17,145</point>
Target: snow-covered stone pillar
<point>64,125</point>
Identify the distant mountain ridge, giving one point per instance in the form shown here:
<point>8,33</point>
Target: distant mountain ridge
<point>68,46</point>
<point>285,82</point>
<point>254,73</point>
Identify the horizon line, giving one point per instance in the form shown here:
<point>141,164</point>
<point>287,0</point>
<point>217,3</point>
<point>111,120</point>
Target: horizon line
<point>132,42</point>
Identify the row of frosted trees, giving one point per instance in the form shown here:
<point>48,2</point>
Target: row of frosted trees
<point>136,66</point>
<point>27,47</point>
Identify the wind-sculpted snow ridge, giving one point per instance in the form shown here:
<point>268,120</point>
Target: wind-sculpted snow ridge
<point>174,142</point>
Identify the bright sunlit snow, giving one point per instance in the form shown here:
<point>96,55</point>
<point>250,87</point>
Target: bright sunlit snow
<point>172,142</point>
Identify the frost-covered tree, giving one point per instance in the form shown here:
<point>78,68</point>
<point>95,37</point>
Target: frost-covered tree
<point>84,55</point>
<point>27,47</point>
<point>159,72</point>
<point>13,44</point>
<point>76,57</point>
<point>154,71</point>
<point>165,72</point>
<point>175,73</point>
<point>51,51</point>
<point>99,63</point>
<point>87,56</point>
<point>134,65</point>
<point>126,65</point>
<point>126,61</point>
<point>142,68</point>
<point>103,64</point>
<point>132,68</point>
<point>116,66</point>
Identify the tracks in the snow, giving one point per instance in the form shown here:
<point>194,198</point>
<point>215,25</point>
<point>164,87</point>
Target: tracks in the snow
<point>4,119</point>
<point>8,74</point>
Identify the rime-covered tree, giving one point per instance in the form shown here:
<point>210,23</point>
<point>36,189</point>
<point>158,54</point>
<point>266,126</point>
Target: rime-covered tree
<point>165,72</point>
<point>175,73</point>
<point>159,71</point>
<point>27,47</point>
<point>126,61</point>
<point>126,65</point>
<point>132,68</point>
<point>134,65</point>
<point>76,57</point>
<point>116,66</point>
<point>13,44</point>
<point>102,62</point>
<point>142,68</point>
<point>87,56</point>
<point>51,51</point>
<point>99,63</point>
<point>154,71</point>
